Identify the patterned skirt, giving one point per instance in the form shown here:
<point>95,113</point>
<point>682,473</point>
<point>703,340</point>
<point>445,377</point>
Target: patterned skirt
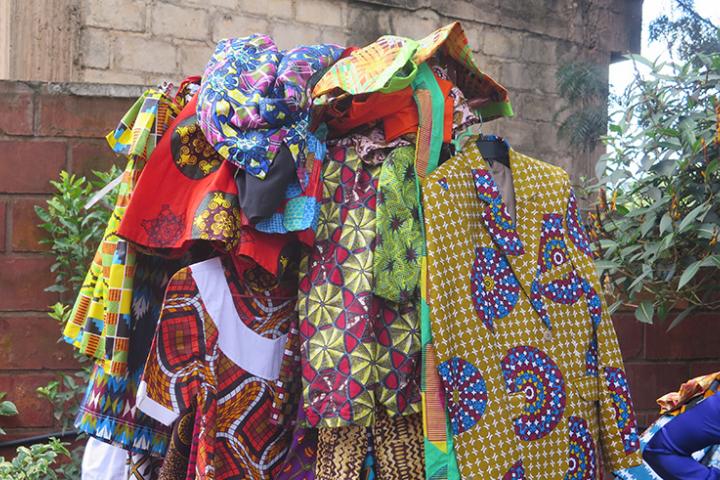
<point>108,413</point>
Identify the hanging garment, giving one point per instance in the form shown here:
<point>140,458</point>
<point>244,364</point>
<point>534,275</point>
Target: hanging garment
<point>527,353</point>
<point>99,324</point>
<point>360,351</point>
<point>102,461</point>
<point>252,99</point>
<point>176,464</point>
<point>108,411</point>
<point>399,244</point>
<point>391,63</point>
<point>188,193</point>
<point>440,460</point>
<point>219,349</point>
<point>395,444</point>
<point>396,111</point>
<point>144,467</point>
<point>299,464</point>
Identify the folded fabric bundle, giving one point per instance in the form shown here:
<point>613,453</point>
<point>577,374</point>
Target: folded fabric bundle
<point>252,99</point>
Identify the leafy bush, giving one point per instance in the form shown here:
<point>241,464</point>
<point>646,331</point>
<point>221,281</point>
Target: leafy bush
<point>73,232</point>
<point>658,219</point>
<point>35,462</point>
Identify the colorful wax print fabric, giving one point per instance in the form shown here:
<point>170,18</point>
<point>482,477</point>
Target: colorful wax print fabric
<point>100,321</point>
<point>108,410</point>
<point>381,65</point>
<point>188,193</point>
<point>532,372</point>
<point>219,350</point>
<point>395,443</point>
<point>398,230</point>
<point>299,463</point>
<point>108,413</point>
<point>370,144</point>
<point>360,351</point>
<point>252,99</point>
<point>176,464</point>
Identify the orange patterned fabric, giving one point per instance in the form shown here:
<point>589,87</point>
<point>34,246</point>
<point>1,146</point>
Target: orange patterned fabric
<point>674,401</point>
<point>395,59</point>
<point>191,367</point>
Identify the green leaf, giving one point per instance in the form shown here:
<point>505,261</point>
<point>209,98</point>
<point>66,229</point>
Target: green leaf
<point>665,223</point>
<point>690,217</point>
<point>8,408</point>
<point>645,311</point>
<point>680,317</point>
<point>688,274</point>
<point>711,261</point>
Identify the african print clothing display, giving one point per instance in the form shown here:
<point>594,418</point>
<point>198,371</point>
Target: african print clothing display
<point>533,372</point>
<point>99,324</point>
<point>360,351</point>
<point>219,349</point>
<point>379,303</point>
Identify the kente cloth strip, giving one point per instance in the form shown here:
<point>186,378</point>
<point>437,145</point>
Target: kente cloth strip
<point>100,321</point>
<point>219,350</point>
<point>440,460</point>
<point>108,411</point>
<point>359,351</point>
<point>391,63</point>
<point>252,99</point>
<point>558,396</point>
<point>397,449</point>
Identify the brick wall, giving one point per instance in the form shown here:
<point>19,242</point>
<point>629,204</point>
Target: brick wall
<point>658,361</point>
<point>44,128</point>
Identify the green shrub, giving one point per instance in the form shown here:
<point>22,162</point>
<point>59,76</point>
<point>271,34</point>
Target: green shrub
<point>658,219</point>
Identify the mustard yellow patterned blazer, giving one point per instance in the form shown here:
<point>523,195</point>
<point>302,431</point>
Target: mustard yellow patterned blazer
<point>527,353</point>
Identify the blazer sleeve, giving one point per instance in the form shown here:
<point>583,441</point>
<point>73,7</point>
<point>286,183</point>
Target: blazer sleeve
<point>619,435</point>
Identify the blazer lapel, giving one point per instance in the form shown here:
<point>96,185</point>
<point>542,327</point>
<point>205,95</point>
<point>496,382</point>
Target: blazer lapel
<point>519,239</point>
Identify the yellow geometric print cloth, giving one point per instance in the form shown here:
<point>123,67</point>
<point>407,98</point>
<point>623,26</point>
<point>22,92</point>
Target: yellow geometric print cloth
<point>526,351</point>
<point>99,324</point>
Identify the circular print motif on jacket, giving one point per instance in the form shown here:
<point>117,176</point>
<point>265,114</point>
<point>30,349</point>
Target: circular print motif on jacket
<point>516,472</point>
<point>530,371</point>
<point>191,152</point>
<point>553,251</point>
<point>218,218</point>
<point>582,465</point>
<point>495,289</point>
<point>575,226</point>
<point>466,393</point>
